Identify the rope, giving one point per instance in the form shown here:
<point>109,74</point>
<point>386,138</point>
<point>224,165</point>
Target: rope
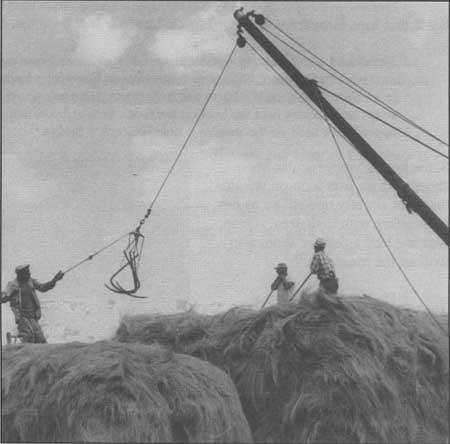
<point>374,222</point>
<point>364,92</point>
<point>187,138</point>
<point>330,126</point>
<point>142,221</point>
<point>383,121</point>
<point>295,90</point>
<point>282,78</point>
<point>90,257</point>
<point>343,99</point>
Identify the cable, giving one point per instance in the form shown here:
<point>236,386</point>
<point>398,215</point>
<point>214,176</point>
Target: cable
<point>188,137</point>
<point>380,234</point>
<point>142,221</point>
<point>282,78</point>
<point>290,86</point>
<point>345,100</point>
<point>364,92</point>
<point>355,185</point>
<point>368,96</point>
<point>383,121</point>
<point>90,257</point>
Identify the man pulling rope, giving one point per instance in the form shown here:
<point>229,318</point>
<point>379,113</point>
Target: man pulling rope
<point>22,297</point>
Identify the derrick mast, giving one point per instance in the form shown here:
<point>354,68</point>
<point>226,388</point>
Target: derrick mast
<point>411,200</point>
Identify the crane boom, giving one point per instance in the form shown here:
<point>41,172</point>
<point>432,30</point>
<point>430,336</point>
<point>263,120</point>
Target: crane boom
<point>412,201</point>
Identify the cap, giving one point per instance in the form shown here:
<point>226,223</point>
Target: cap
<point>20,268</point>
<point>281,265</point>
<point>319,242</point>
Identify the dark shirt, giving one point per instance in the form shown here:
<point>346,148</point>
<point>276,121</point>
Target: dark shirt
<point>14,295</point>
<point>28,303</point>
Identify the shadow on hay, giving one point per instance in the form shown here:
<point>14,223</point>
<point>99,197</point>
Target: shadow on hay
<point>113,392</point>
<point>326,369</point>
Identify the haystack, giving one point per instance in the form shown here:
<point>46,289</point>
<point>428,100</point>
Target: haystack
<point>113,392</point>
<point>335,369</point>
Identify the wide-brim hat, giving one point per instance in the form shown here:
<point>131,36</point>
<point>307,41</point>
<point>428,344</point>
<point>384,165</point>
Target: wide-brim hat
<point>23,267</point>
<point>280,266</point>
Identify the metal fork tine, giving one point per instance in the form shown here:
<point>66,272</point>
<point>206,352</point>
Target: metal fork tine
<point>132,254</point>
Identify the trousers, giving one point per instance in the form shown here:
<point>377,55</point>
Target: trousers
<point>30,331</point>
<point>330,285</point>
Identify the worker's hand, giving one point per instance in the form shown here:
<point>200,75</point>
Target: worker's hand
<point>38,314</point>
<point>58,276</point>
<point>282,273</point>
<point>275,283</point>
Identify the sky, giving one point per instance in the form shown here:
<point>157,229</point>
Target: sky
<point>98,97</point>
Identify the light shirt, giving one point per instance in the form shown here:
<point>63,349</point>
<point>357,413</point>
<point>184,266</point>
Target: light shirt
<point>284,294</point>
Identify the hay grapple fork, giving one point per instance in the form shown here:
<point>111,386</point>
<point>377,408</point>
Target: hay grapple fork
<point>132,254</point>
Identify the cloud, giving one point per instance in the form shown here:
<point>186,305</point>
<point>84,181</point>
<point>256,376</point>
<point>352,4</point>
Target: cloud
<point>102,41</point>
<point>208,33</point>
<point>23,186</point>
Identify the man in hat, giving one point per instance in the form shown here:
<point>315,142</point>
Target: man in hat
<point>323,266</point>
<point>22,297</point>
<point>282,284</point>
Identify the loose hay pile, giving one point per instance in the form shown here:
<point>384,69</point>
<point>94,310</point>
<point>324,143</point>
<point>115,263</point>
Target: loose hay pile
<point>325,370</point>
<point>113,392</point>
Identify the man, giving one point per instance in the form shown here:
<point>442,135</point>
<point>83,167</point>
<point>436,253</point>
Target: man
<point>323,266</point>
<point>282,284</point>
<point>21,295</point>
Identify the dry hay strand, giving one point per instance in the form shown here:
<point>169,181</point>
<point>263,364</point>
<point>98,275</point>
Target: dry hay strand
<point>335,369</point>
<point>113,392</point>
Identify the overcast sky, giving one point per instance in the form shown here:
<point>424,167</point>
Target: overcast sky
<point>99,96</point>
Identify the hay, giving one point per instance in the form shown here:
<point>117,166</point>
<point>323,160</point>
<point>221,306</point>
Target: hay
<point>112,392</point>
<point>168,330</point>
<point>331,369</point>
<point>187,332</point>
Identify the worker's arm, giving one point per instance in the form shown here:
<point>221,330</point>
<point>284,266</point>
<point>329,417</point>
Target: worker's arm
<point>275,283</point>
<point>43,287</point>
<point>315,264</point>
<point>9,293</point>
<point>48,285</point>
